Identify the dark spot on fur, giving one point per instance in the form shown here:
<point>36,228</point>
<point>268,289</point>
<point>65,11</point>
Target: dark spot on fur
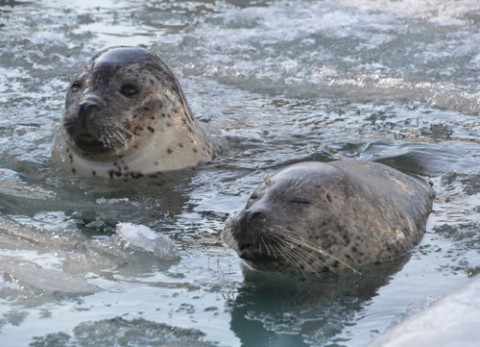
<point>169,151</point>
<point>195,150</point>
<point>152,82</point>
<point>151,129</point>
<point>152,117</point>
<point>168,124</point>
<point>136,175</point>
<point>94,173</point>
<point>180,145</point>
<point>74,171</point>
<point>329,198</point>
<point>190,129</point>
<point>111,173</point>
<point>146,108</point>
<point>164,115</point>
<point>71,158</point>
<point>184,121</point>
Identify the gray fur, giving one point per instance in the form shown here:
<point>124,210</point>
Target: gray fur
<point>313,217</point>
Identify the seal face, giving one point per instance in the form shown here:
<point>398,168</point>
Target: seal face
<point>126,116</point>
<point>312,217</point>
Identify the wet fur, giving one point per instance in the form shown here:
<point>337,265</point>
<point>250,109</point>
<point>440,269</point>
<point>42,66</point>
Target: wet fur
<point>315,217</point>
<point>107,133</point>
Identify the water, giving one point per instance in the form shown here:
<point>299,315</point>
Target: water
<point>391,81</point>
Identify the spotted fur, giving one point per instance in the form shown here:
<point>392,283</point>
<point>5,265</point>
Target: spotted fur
<point>125,117</point>
<point>313,217</point>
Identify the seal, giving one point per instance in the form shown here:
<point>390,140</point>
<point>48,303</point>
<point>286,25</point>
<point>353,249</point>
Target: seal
<point>125,117</point>
<point>313,217</point>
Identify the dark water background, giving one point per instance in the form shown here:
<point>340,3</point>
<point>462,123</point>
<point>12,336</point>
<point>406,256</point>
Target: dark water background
<point>286,81</point>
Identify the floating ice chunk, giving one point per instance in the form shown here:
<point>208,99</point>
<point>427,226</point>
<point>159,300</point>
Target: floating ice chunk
<point>145,238</point>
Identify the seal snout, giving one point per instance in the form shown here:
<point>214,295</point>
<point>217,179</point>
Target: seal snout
<point>87,106</point>
<point>249,235</point>
<point>250,217</point>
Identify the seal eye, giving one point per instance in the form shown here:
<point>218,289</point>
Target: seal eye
<point>128,90</point>
<point>299,201</point>
<point>76,85</point>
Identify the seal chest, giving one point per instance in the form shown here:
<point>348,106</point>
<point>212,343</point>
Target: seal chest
<point>126,116</point>
<point>313,217</point>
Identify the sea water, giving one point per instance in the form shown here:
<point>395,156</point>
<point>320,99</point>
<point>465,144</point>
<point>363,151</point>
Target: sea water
<point>99,263</point>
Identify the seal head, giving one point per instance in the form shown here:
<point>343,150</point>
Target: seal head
<point>312,217</point>
<point>126,116</point>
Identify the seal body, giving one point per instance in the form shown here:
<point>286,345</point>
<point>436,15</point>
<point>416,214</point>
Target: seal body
<point>126,116</point>
<point>312,217</point>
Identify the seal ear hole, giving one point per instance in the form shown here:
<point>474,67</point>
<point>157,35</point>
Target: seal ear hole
<point>128,90</point>
<point>329,198</point>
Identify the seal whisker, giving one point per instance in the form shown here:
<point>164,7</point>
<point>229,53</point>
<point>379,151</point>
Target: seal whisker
<point>301,254</point>
<point>270,252</point>
<point>293,255</point>
<point>308,245</point>
<point>295,258</point>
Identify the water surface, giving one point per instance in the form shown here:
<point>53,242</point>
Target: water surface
<point>390,81</point>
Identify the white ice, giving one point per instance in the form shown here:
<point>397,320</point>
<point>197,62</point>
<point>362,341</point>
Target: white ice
<point>145,238</point>
<point>453,321</point>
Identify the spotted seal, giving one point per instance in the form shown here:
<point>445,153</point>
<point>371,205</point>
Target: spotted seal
<point>313,217</point>
<point>126,116</point>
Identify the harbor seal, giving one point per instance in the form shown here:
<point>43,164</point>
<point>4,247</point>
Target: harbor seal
<point>126,116</point>
<point>313,217</point>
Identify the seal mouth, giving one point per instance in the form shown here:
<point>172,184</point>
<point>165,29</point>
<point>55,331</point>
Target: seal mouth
<point>253,253</point>
<point>90,143</point>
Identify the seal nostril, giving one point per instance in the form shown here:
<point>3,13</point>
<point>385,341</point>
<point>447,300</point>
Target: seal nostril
<point>87,107</point>
<point>250,217</point>
<point>255,215</point>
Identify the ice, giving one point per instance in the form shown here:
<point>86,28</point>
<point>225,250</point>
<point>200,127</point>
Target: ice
<point>47,281</point>
<point>145,238</point>
<point>453,321</point>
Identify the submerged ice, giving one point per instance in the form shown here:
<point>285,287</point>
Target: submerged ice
<point>142,237</point>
